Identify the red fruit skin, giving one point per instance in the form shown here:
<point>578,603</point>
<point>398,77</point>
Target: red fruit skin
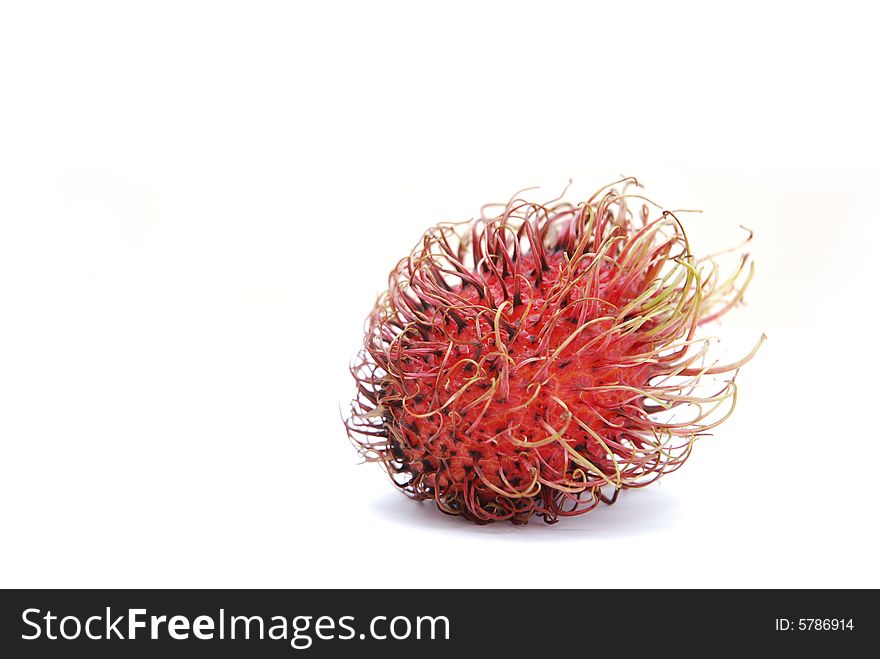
<point>534,379</point>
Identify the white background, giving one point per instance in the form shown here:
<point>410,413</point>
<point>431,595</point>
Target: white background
<point>200,201</point>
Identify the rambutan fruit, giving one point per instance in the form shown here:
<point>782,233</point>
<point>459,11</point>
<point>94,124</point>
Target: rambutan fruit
<point>538,361</point>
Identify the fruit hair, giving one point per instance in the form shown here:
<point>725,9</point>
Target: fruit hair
<point>543,357</point>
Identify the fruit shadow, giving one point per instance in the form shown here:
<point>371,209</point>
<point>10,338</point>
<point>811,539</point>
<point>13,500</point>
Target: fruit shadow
<point>636,512</point>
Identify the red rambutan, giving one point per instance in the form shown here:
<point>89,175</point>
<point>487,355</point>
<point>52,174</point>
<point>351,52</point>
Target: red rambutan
<point>527,363</point>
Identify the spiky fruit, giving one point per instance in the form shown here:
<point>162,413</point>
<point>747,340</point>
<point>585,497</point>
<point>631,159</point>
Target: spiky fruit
<point>526,363</point>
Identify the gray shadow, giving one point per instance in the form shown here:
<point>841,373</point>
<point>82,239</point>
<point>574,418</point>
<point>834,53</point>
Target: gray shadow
<point>636,512</point>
